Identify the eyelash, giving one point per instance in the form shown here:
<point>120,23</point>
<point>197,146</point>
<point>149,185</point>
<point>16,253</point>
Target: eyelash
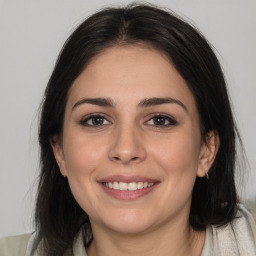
<point>92,117</point>
<point>85,121</point>
<point>171,121</point>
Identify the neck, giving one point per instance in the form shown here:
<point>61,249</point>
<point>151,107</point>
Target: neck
<point>179,240</point>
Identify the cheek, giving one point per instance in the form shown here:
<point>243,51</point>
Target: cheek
<point>176,159</point>
<point>82,154</point>
<point>178,154</point>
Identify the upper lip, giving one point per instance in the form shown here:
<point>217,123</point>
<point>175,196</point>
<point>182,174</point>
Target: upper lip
<point>127,179</point>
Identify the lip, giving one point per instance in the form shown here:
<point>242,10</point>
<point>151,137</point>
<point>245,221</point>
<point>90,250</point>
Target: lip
<point>127,179</point>
<point>127,194</point>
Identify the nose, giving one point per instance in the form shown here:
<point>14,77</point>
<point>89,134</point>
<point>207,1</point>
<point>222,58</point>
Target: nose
<point>127,146</point>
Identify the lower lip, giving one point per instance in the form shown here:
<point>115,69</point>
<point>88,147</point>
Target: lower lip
<point>128,194</point>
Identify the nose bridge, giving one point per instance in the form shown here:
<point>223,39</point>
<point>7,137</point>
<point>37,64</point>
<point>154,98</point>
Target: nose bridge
<point>127,145</point>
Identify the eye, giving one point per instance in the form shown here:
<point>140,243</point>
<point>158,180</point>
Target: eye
<point>94,120</point>
<point>160,120</point>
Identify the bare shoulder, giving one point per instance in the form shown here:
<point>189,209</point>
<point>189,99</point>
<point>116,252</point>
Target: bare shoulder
<point>14,245</point>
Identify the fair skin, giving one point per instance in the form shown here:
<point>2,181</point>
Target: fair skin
<point>131,118</point>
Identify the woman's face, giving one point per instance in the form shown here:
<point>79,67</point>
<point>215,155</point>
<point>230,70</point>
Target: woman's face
<point>131,145</point>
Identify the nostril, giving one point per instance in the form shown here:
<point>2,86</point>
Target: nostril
<point>116,158</point>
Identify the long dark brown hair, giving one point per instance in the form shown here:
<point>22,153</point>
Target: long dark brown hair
<point>58,216</point>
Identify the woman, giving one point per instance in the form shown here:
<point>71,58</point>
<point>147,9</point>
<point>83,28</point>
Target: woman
<point>137,145</point>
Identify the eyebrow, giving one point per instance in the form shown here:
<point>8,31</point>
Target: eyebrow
<point>103,102</point>
<point>159,101</point>
<point>149,102</point>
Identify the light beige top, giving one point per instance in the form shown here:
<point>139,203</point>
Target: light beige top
<point>14,245</point>
<point>238,238</point>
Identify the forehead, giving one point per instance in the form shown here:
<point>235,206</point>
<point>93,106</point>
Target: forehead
<point>129,73</point>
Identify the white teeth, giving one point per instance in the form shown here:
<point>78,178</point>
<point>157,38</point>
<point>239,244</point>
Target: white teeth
<point>131,186</point>
<point>123,186</point>
<point>140,185</point>
<point>115,185</point>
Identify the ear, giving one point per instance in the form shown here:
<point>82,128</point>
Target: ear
<point>57,148</point>
<point>208,152</point>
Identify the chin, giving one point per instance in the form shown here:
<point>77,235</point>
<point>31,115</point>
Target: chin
<point>128,223</point>
<point>130,228</point>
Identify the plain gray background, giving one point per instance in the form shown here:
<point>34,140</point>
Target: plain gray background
<point>31,35</point>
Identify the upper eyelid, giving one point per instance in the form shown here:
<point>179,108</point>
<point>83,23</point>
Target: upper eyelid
<point>151,115</point>
<point>96,114</point>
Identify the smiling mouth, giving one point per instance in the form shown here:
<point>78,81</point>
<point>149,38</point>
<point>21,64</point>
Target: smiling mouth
<point>128,187</point>
<point>131,186</point>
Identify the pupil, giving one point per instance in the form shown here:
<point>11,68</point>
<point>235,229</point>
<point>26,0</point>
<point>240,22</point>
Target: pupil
<point>159,121</point>
<point>97,120</point>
